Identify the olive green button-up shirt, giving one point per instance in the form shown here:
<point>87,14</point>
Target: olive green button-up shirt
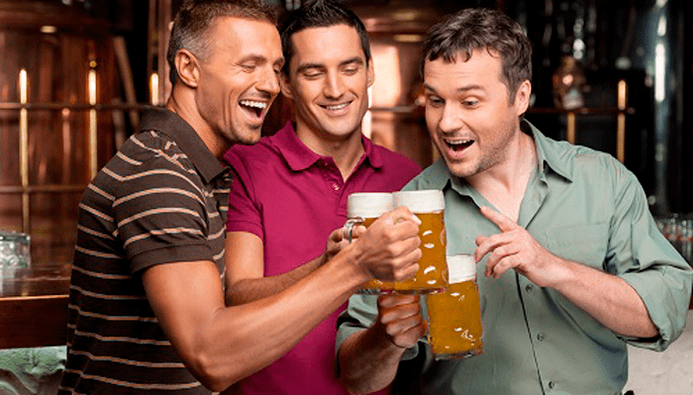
<point>581,205</point>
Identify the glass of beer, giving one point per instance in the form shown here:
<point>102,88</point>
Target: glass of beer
<point>428,206</point>
<point>363,209</point>
<point>454,316</point>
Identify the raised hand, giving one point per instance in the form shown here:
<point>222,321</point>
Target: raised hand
<point>515,248</point>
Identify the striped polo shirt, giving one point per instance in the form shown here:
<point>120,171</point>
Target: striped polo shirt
<point>162,198</point>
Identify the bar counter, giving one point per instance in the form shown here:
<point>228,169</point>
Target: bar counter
<point>33,305</point>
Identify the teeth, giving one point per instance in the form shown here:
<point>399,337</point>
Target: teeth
<point>255,104</point>
<point>460,142</point>
<point>336,107</point>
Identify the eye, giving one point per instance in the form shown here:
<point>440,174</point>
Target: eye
<point>248,67</point>
<point>434,101</point>
<point>470,103</point>
<point>312,74</point>
<point>351,70</point>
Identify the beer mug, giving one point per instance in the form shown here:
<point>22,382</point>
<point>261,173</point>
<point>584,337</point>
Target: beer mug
<point>454,316</point>
<point>363,209</point>
<point>428,206</point>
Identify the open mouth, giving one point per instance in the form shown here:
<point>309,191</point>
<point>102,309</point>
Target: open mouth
<point>335,107</point>
<point>459,145</point>
<point>256,108</point>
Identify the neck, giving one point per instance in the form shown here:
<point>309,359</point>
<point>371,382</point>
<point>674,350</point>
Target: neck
<point>504,184</point>
<point>346,151</point>
<point>181,103</point>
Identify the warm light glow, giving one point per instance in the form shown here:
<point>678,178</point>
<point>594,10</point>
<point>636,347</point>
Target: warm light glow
<point>661,3</point>
<point>48,29</point>
<point>660,72</point>
<point>92,124</point>
<point>92,86</point>
<point>23,91</point>
<point>367,124</point>
<point>154,88</point>
<point>408,38</point>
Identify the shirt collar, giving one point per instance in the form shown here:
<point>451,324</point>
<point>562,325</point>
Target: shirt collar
<point>439,177</point>
<point>300,157</point>
<point>172,125</point>
<point>547,154</point>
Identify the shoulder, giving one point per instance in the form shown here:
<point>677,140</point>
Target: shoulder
<point>395,159</point>
<point>249,156</point>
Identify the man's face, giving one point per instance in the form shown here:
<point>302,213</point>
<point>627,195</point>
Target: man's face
<point>328,81</point>
<point>239,78</point>
<point>469,114</point>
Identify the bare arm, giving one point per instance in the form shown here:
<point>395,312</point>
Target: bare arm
<point>369,359</point>
<point>607,298</point>
<point>221,345</point>
<point>245,281</point>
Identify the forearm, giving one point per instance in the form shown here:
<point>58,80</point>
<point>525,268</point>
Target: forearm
<point>368,362</point>
<point>248,290</point>
<point>241,340</point>
<point>607,298</point>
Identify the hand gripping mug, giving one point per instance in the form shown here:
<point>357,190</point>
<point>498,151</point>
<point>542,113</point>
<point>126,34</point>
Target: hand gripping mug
<point>363,209</point>
<point>454,316</point>
<point>428,205</point>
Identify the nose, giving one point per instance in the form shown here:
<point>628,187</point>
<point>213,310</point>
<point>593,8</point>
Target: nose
<point>333,87</point>
<point>269,82</point>
<point>451,119</point>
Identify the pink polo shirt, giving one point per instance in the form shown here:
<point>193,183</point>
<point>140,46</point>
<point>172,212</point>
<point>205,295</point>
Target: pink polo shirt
<point>293,198</point>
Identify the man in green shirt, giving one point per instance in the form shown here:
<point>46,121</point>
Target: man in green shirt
<point>571,266</point>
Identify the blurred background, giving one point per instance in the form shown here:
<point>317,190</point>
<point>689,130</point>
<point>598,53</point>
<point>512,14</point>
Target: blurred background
<point>615,76</point>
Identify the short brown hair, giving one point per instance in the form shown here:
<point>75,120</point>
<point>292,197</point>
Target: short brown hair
<point>482,28</point>
<point>194,19</point>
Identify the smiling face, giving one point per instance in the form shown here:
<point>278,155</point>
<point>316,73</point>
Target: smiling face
<point>238,79</point>
<point>468,112</point>
<point>328,82</point>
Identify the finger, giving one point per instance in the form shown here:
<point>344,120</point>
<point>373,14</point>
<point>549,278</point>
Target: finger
<point>506,263</point>
<point>491,243</point>
<point>480,239</point>
<point>399,214</point>
<point>504,223</point>
<point>386,301</point>
<point>495,257</point>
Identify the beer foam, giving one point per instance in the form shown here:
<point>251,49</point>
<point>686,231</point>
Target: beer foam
<point>423,201</point>
<point>368,204</point>
<point>461,268</point>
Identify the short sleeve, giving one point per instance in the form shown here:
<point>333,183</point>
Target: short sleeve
<point>244,213</point>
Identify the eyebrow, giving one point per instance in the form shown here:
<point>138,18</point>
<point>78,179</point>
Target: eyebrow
<point>356,59</point>
<point>461,89</point>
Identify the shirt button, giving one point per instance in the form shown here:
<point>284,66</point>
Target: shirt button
<point>540,337</point>
<point>551,384</point>
<point>529,288</point>
<point>335,187</point>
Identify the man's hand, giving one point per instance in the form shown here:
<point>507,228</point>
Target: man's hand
<point>389,249</point>
<point>399,319</point>
<point>515,248</point>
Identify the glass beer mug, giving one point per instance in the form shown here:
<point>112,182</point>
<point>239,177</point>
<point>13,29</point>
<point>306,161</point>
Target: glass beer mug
<point>428,206</point>
<point>454,316</point>
<point>363,209</point>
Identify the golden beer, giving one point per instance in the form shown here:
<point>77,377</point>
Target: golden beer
<point>455,329</point>
<point>428,206</point>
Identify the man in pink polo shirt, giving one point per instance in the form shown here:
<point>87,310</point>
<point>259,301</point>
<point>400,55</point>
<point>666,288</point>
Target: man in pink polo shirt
<point>290,190</point>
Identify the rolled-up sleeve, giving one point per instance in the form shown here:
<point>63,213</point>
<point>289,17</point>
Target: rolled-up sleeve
<point>641,255</point>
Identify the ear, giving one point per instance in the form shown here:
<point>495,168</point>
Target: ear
<point>285,84</point>
<point>524,91</point>
<point>187,67</point>
<point>370,73</point>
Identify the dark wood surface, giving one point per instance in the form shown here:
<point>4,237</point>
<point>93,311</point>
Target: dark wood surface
<point>33,306</point>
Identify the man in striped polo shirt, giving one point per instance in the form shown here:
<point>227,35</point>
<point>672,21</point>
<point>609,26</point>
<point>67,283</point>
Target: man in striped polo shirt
<point>146,312</point>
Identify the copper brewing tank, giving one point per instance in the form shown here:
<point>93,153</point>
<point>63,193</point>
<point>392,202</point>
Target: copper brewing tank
<point>57,71</point>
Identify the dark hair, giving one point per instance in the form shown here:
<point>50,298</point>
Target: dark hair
<point>320,13</point>
<point>482,28</point>
<point>193,22</point>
